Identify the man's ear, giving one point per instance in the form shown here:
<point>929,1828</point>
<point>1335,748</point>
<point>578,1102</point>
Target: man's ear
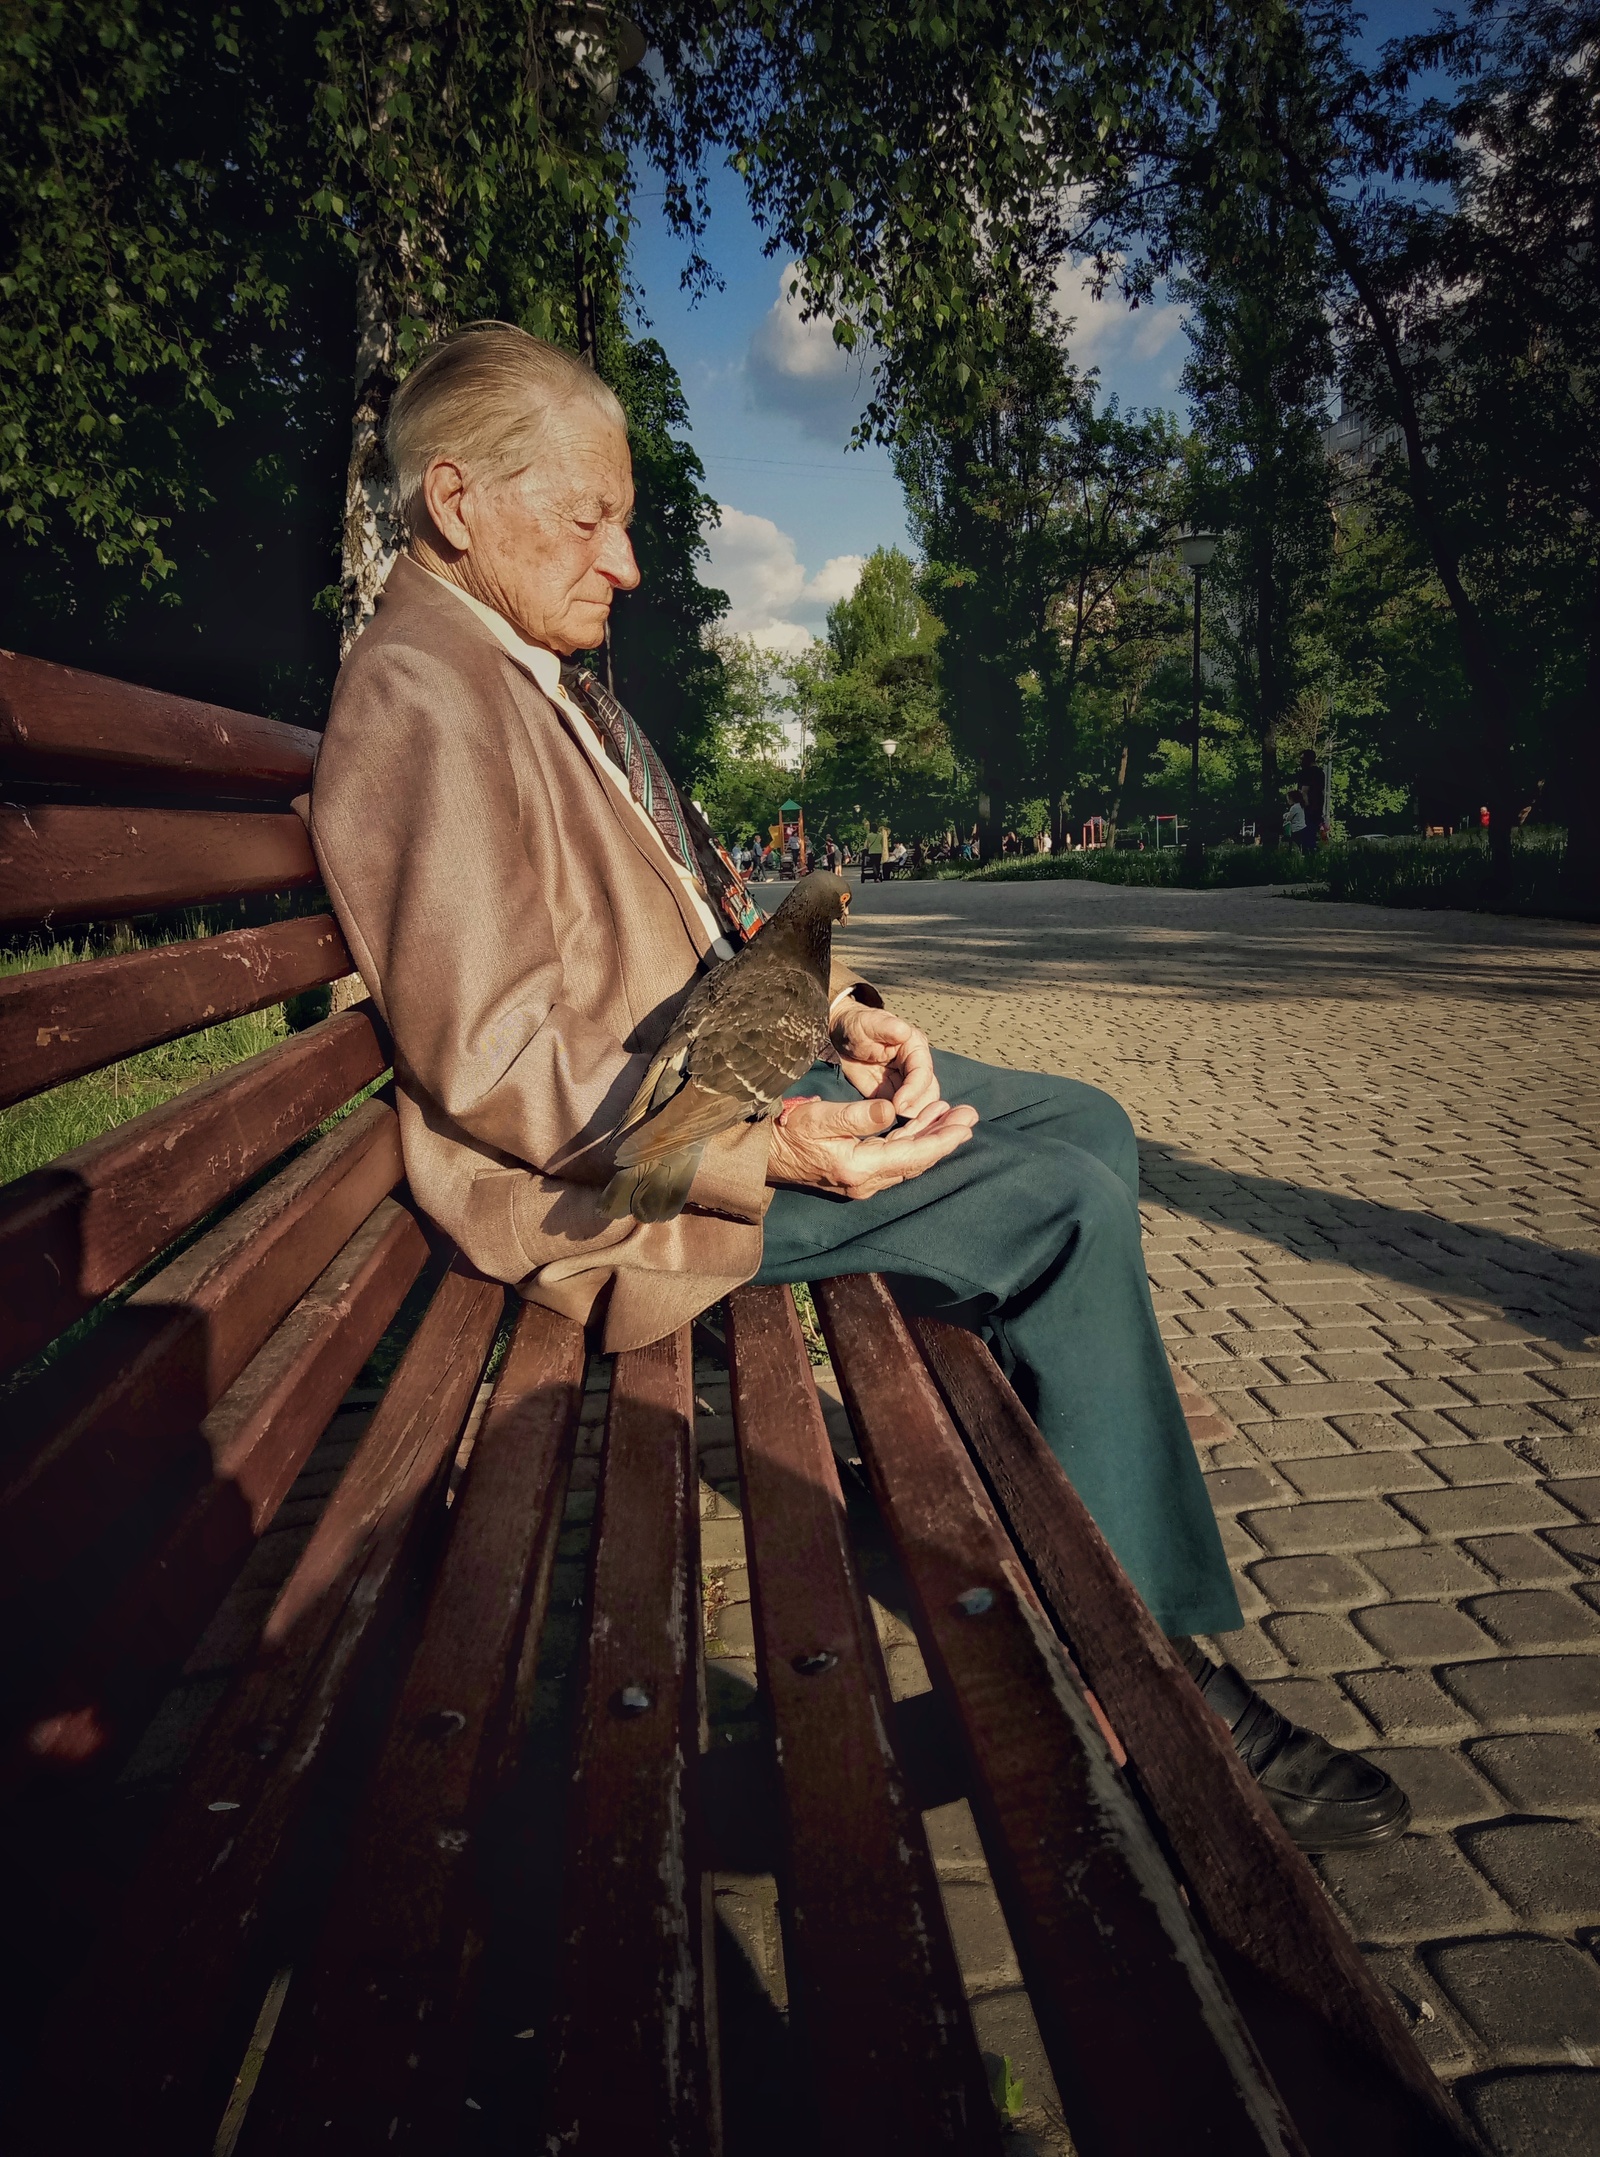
<point>444,487</point>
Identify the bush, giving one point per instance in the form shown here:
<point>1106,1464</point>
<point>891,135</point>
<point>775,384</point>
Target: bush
<point>1224,865</point>
<point>1447,872</point>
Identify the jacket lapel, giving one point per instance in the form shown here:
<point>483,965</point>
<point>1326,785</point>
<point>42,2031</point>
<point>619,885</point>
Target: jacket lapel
<point>649,850</point>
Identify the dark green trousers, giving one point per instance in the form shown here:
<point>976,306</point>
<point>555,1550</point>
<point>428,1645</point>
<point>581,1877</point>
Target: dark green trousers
<point>1030,1234</point>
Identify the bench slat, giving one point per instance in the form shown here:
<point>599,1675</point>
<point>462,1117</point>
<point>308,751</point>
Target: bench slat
<point>102,863</point>
<point>140,2052</point>
<point>98,1425</point>
<point>57,723</point>
<point>1347,2066</point>
<point>375,2030</point>
<point>632,2068</point>
<point>62,1021</point>
<point>1107,1949</point>
<point>74,1231</point>
<point>78,864</point>
<point>258,1437</point>
<point>868,1953</point>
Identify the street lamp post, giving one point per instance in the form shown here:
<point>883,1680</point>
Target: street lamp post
<point>1196,551</point>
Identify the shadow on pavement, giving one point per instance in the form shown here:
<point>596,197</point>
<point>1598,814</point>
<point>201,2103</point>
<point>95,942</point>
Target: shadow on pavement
<point>1556,1291</point>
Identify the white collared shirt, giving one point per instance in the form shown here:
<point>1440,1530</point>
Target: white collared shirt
<point>545,667</point>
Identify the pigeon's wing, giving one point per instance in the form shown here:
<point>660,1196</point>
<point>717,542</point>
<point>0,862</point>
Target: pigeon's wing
<point>694,1114</point>
<point>751,1038</point>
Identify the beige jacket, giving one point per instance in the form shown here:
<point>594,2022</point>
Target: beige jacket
<point>527,941</point>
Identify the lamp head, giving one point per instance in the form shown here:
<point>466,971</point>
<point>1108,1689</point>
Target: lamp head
<point>889,747</point>
<point>1197,550</point>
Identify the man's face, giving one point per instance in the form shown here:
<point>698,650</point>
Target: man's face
<point>549,546</point>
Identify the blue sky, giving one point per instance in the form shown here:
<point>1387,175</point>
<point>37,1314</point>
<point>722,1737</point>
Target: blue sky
<point>772,402</point>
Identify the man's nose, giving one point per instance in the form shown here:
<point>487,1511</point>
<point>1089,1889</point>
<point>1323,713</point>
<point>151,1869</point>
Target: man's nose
<point>616,563</point>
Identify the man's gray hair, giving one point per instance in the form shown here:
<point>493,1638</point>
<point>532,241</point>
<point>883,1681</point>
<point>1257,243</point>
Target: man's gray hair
<point>482,397</point>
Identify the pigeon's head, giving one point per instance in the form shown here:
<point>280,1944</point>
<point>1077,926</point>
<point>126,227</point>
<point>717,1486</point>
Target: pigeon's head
<point>805,919</point>
<point>821,895</point>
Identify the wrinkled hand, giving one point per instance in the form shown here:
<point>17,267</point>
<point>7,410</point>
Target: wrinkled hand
<point>838,1146</point>
<point>885,1058</point>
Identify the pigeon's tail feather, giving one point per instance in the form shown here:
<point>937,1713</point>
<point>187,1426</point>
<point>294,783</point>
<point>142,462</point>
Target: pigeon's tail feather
<point>655,1192</point>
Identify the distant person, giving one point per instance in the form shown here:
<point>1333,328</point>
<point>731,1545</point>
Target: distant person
<point>830,854</point>
<point>1294,820</point>
<point>1312,781</point>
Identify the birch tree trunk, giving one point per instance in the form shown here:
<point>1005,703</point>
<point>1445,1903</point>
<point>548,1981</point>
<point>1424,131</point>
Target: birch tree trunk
<point>372,532</point>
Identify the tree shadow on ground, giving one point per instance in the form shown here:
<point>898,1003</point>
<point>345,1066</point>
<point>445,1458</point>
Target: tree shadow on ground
<point>1552,1291</point>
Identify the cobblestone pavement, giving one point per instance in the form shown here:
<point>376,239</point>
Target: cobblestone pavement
<point>1371,1150</point>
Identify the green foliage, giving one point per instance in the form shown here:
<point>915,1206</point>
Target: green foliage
<point>664,668</point>
<point>1455,873</point>
<point>877,680</point>
<point>1006,2088</point>
<point>749,776</point>
<point>1224,868</point>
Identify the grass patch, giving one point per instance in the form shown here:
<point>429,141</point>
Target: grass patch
<point>34,1132</point>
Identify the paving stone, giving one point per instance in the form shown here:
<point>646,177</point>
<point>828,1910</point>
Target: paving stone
<point>1251,1653</point>
<point>1437,2030</point>
<point>1538,2115</point>
<point>1528,1692</point>
<point>1582,1494</point>
<point>1377,1434</point>
<point>1444,1788</point>
<point>1317,1705</point>
<point>1461,1465</point>
<point>1358,1475</point>
<point>1419,1888</point>
<point>1353,1524</point>
<point>1509,1421</point>
<point>1552,1772</point>
<point>1429,1428</point>
<point>1317,1641</point>
<point>1424,1393</point>
<point>1422,1632</point>
<point>1321,1581</point>
<point>1292,1439</point>
<point>1575,1381</point>
<point>1232,1489</point>
<point>1547,1870</point>
<point>1318,1399</point>
<point>1407,1705</point>
<point>1530,2000</point>
<point>1520,1561</point>
<point>1581,1545</point>
<point>1534,1618</point>
<point>1429,1572</point>
<point>1481,1508</point>
<point>1563,1455</point>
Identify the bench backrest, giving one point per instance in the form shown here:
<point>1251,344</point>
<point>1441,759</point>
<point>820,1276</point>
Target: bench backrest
<point>232,1258</point>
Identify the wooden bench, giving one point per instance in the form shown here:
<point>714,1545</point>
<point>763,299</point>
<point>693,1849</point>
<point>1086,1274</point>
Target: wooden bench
<point>390,1900</point>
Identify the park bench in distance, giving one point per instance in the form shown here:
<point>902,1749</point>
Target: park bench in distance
<point>350,1809</point>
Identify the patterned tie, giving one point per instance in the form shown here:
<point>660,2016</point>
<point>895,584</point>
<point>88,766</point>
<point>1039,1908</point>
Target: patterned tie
<point>685,834</point>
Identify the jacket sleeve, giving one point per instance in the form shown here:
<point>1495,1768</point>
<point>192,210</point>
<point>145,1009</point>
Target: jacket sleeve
<point>429,851</point>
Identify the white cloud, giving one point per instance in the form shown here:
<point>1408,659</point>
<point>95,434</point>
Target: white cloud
<point>1107,332</point>
<point>794,367</point>
<point>772,598</point>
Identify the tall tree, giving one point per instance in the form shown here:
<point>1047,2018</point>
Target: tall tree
<point>1259,378</point>
<point>1118,497</point>
<point>982,485</point>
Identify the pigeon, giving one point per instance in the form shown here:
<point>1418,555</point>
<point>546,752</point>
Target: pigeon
<point>745,1033</point>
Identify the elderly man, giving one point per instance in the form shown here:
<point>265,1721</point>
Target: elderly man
<point>528,900</point>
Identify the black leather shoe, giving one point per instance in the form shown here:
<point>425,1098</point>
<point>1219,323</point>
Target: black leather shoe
<point>1326,1799</point>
